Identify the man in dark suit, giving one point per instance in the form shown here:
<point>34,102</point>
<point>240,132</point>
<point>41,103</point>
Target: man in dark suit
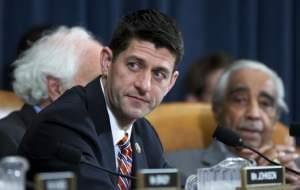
<point>102,125</point>
<point>38,81</point>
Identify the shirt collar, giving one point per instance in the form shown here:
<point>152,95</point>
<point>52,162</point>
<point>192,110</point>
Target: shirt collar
<point>37,108</point>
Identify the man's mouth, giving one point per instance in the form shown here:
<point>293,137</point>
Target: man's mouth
<point>138,98</point>
<point>249,134</point>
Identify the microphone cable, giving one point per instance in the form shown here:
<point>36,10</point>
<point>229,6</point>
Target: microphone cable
<point>231,138</point>
<point>109,171</point>
<point>269,160</point>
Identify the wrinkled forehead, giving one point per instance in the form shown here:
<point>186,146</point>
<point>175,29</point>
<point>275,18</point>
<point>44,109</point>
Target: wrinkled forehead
<point>252,81</point>
<point>147,51</point>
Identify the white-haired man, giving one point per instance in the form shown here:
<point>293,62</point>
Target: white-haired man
<point>249,99</point>
<point>62,58</point>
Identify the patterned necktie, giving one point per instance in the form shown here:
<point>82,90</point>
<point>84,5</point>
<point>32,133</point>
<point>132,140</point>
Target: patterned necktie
<point>125,162</point>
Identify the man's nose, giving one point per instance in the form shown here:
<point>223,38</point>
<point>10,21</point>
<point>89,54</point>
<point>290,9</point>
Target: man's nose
<point>253,110</point>
<point>143,81</point>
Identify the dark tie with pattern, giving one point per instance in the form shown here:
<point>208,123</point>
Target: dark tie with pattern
<point>125,162</point>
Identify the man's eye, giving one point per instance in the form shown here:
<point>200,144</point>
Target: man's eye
<point>266,103</point>
<point>159,75</point>
<point>133,66</point>
<point>239,99</point>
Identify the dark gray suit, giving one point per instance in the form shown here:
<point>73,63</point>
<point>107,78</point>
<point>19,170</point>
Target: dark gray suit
<point>12,129</point>
<point>188,161</point>
<point>74,133</point>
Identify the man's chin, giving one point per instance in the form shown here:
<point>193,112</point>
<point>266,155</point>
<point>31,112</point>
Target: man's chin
<point>136,113</point>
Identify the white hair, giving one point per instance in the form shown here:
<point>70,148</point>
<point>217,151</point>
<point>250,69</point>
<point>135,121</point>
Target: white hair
<point>219,93</point>
<point>57,54</point>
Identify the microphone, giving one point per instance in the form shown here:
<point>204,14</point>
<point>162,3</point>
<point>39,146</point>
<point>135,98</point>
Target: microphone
<point>231,138</point>
<point>73,155</point>
<point>228,137</point>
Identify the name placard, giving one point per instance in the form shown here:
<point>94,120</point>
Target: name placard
<point>158,179</point>
<point>55,181</point>
<point>262,176</point>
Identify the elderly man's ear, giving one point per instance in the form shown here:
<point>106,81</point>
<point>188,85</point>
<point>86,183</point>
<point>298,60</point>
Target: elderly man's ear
<point>54,88</point>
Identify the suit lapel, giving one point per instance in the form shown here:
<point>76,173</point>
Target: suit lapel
<point>139,155</point>
<point>108,154</point>
<point>98,112</point>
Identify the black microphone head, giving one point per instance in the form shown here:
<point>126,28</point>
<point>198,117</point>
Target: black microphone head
<point>228,137</point>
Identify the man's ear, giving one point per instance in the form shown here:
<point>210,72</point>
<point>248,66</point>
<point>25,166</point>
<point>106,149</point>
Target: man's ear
<point>174,77</point>
<point>53,87</point>
<point>105,60</point>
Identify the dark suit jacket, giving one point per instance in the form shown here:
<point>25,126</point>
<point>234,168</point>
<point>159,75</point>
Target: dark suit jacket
<point>78,124</point>
<point>12,129</point>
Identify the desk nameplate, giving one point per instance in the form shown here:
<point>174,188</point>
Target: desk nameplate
<point>167,179</point>
<point>262,176</point>
<point>55,181</point>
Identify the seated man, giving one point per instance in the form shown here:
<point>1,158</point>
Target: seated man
<point>248,98</point>
<point>103,125</point>
<point>59,60</point>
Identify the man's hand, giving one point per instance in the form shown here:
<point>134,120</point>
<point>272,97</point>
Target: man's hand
<point>285,155</point>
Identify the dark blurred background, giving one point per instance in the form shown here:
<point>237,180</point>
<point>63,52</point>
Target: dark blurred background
<point>263,30</point>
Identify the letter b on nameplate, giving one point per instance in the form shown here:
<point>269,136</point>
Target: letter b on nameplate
<point>164,179</point>
<point>265,177</point>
